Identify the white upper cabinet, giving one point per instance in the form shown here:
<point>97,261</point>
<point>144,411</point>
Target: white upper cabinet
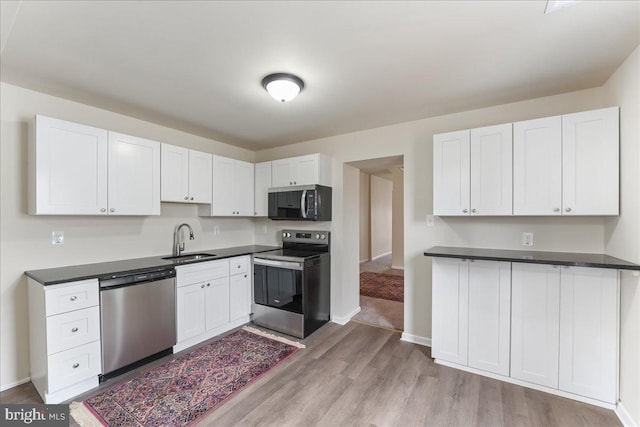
<point>262,183</point>
<point>491,170</point>
<point>134,175</point>
<point>81,170</point>
<point>451,168</point>
<point>68,168</point>
<point>303,170</point>
<point>537,167</point>
<point>186,175</point>
<point>233,193</point>
<point>590,162</point>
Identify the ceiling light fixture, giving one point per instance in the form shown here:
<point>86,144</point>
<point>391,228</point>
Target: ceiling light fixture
<point>283,86</point>
<point>553,5</point>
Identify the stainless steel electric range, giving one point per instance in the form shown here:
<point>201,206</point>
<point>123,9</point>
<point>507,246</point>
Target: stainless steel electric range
<point>292,285</point>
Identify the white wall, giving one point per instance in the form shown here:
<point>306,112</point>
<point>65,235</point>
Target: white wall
<point>381,209</point>
<point>413,140</point>
<point>397,243</point>
<point>365,217</point>
<point>622,233</point>
<point>26,240</point>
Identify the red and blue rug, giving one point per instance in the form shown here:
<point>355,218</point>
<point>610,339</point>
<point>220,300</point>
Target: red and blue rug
<point>182,390</point>
<point>382,285</point>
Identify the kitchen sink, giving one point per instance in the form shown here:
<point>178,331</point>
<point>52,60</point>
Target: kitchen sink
<point>189,257</point>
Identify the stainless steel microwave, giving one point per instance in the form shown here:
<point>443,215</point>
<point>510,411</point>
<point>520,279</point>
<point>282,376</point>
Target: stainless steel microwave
<point>301,203</point>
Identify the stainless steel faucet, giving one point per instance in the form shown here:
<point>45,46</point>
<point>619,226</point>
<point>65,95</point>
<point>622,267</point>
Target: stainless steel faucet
<point>178,245</point>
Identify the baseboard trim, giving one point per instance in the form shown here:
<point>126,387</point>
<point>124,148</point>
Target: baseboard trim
<point>14,384</point>
<point>362,261</point>
<point>380,256</point>
<point>343,320</point>
<point>416,339</point>
<point>528,385</point>
<point>624,416</point>
<point>397,267</point>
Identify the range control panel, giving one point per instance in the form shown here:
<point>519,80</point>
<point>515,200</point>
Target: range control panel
<point>306,236</point>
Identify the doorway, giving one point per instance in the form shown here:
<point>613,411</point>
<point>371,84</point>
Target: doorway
<point>381,235</point>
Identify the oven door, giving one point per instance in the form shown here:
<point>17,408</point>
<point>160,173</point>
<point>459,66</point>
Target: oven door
<point>278,284</point>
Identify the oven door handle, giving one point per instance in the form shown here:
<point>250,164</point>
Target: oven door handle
<point>291,265</point>
<point>303,204</point>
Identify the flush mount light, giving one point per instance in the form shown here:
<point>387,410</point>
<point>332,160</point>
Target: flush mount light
<point>553,5</point>
<point>283,86</point>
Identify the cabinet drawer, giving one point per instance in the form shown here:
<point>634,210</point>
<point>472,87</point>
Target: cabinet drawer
<point>71,296</point>
<point>195,273</point>
<point>68,330</point>
<point>239,265</point>
<point>73,366</point>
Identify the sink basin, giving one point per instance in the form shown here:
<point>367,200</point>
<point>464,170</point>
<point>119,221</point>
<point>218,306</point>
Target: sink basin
<point>189,257</point>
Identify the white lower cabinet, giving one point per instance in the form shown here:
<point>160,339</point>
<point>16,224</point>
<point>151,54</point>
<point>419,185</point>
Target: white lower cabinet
<point>64,338</point>
<point>553,328</point>
<point>212,297</point>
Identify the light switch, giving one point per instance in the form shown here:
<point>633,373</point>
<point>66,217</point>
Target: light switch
<point>527,239</point>
<point>57,237</point>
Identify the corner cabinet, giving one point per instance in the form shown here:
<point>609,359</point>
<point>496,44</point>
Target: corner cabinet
<point>233,192</point>
<point>186,175</point>
<point>81,170</point>
<point>64,337</point>
<point>303,170</point>
<point>553,328</point>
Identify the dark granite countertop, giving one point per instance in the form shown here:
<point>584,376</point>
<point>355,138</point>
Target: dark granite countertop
<point>534,257</point>
<point>52,276</point>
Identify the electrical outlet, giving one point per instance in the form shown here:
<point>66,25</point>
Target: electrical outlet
<point>431,222</point>
<point>264,228</point>
<point>216,230</point>
<point>527,239</point>
<point>57,237</point>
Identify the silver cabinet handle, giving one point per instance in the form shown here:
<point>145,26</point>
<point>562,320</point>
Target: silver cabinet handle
<point>103,210</point>
<point>74,330</point>
<point>276,300</point>
<point>76,365</point>
<point>465,210</point>
<point>202,286</point>
<point>474,210</point>
<point>73,298</point>
<point>290,182</point>
<point>245,275</point>
<point>239,266</point>
<point>567,209</point>
<point>112,210</point>
<point>186,197</point>
<point>192,198</point>
<point>208,285</point>
<point>556,209</point>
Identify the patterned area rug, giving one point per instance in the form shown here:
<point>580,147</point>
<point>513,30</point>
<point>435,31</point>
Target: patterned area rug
<point>181,390</point>
<point>381,285</point>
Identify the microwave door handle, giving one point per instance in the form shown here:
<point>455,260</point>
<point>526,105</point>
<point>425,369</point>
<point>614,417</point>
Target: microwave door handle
<point>303,204</point>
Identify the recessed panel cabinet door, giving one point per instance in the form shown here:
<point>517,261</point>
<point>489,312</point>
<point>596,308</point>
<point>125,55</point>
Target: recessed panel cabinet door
<point>281,173</point>
<point>239,296</point>
<point>262,180</point>
<point>217,306</point>
<point>69,175</point>
<point>590,162</point>
<point>305,170</point>
<point>244,193</point>
<point>451,170</point>
<point>450,321</point>
<point>175,174</point>
<point>190,310</point>
<point>535,323</point>
<point>134,175</point>
<point>491,170</point>
<point>537,167</point>
<point>589,332</point>
<point>223,202</point>
<point>200,178</point>
<point>489,316</point>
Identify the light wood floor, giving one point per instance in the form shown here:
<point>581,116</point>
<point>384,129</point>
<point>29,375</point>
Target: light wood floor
<point>360,375</point>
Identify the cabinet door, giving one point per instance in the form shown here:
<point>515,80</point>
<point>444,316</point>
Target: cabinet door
<point>243,192</point>
<point>262,183</point>
<point>491,170</point>
<point>450,322</point>
<point>489,315</point>
<point>451,169</point>
<point>200,178</point>
<point>217,305</point>
<point>239,296</point>
<point>70,172</point>
<point>223,202</point>
<point>535,323</point>
<point>537,167</point>
<point>590,162</point>
<point>174,174</point>
<point>134,175</point>
<point>305,170</point>
<point>589,332</point>
<point>281,173</point>
<point>190,304</point>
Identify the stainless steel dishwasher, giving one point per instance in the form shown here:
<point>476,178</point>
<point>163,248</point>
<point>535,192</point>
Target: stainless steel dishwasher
<point>137,318</point>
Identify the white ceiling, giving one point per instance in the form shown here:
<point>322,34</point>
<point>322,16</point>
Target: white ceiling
<point>197,66</point>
